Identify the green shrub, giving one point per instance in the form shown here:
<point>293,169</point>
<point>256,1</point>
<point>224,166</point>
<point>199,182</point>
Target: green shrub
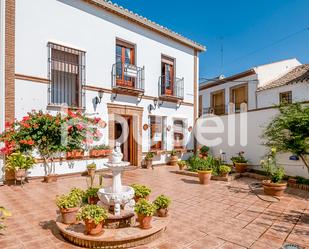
<point>196,163</point>
<point>141,191</point>
<point>67,201</point>
<point>77,192</point>
<point>91,166</point>
<point>149,156</point>
<point>90,193</point>
<point>145,208</point>
<point>100,147</point>
<point>204,149</point>
<point>302,180</point>
<point>18,160</point>
<point>224,169</point>
<point>239,158</point>
<point>182,163</point>
<point>93,213</point>
<point>271,168</point>
<point>162,201</point>
<point>4,213</point>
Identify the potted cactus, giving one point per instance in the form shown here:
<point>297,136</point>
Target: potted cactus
<point>140,192</point>
<point>148,159</point>
<point>93,216</point>
<point>91,168</point>
<point>274,186</point>
<point>224,170</point>
<point>240,162</point>
<point>145,211</point>
<point>162,203</point>
<point>173,158</point>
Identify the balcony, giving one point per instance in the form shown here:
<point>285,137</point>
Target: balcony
<point>171,89</point>
<point>128,79</point>
<point>216,110</point>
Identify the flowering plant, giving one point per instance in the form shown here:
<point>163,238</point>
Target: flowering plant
<point>271,168</point>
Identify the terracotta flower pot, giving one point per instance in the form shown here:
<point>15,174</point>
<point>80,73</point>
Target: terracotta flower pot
<point>204,176</point>
<point>93,200</point>
<point>274,189</point>
<point>92,228</point>
<point>75,154</point>
<point>99,153</point>
<point>162,212</point>
<point>50,178</point>
<point>69,215</point>
<point>148,164</point>
<point>91,172</point>
<point>144,221</point>
<point>136,198</point>
<point>20,174</point>
<point>240,167</point>
<point>173,160</point>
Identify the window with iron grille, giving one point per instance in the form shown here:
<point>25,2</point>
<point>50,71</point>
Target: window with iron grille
<point>67,76</point>
<point>286,97</point>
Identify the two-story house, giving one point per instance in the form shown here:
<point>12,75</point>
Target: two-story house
<point>105,60</point>
<point>259,87</point>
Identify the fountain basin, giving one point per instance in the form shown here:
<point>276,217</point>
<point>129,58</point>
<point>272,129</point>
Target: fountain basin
<point>109,198</point>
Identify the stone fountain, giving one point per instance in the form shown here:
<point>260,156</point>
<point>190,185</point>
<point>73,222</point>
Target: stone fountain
<point>117,195</point>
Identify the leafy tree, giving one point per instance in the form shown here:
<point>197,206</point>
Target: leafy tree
<point>289,131</point>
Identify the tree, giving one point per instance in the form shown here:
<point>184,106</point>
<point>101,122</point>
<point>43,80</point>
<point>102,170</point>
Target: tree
<point>289,131</point>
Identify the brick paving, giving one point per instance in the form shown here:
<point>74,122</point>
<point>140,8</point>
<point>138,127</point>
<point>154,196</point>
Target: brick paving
<point>220,215</point>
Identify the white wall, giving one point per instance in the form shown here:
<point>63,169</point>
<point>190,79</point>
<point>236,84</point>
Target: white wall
<point>82,26</point>
<point>270,97</point>
<point>255,150</point>
<point>2,78</point>
<point>252,86</point>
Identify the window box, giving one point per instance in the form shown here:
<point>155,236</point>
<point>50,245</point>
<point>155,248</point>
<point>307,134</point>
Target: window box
<point>99,152</point>
<point>75,154</point>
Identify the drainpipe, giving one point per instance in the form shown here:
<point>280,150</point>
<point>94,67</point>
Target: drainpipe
<point>2,80</point>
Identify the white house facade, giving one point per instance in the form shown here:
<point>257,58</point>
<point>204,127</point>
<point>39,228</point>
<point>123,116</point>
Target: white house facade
<point>100,58</point>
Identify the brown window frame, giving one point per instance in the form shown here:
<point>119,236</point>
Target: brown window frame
<point>232,100</point>
<point>165,62</point>
<point>212,101</point>
<point>290,97</point>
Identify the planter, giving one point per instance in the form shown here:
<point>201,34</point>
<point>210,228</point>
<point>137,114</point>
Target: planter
<point>144,221</point>
<point>181,167</point>
<point>91,172</point>
<point>69,215</point>
<point>93,200</point>
<point>204,176</point>
<point>99,153</point>
<point>224,174</point>
<point>50,178</point>
<point>274,189</point>
<point>136,199</point>
<point>75,154</point>
<point>92,228</point>
<point>162,212</point>
<point>240,167</point>
<point>20,174</point>
<point>173,160</point>
<point>148,164</point>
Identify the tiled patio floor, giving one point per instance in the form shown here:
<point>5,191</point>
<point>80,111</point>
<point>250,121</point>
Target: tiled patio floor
<point>220,215</point>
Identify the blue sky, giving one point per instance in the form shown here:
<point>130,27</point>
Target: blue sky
<point>245,26</point>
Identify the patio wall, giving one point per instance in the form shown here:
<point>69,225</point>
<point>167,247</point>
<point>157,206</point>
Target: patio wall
<point>254,150</point>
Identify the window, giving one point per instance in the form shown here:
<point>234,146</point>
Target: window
<point>179,134</point>
<point>157,133</point>
<point>239,95</point>
<point>286,97</point>
<point>125,60</point>
<point>200,105</point>
<point>167,75</point>
<point>67,76</point>
<point>218,102</point>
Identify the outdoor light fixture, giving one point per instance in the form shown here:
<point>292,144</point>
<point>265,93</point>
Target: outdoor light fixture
<point>98,100</point>
<point>155,102</point>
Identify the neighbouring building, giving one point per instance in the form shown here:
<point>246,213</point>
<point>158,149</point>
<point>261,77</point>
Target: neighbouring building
<point>103,59</point>
<point>262,88</point>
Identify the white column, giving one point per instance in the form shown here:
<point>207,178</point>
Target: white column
<point>2,79</point>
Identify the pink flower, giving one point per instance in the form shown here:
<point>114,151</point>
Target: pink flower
<point>79,127</point>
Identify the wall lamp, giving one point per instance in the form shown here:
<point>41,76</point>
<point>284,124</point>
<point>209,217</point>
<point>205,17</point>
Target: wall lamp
<point>98,99</point>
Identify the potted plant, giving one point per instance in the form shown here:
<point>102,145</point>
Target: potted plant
<point>140,192</point>
<point>162,203</point>
<point>100,151</point>
<point>181,164</point>
<point>93,216</point>
<point>173,158</point>
<point>240,162</point>
<point>75,154</point>
<point>224,170</point>
<point>145,211</point>
<point>274,186</point>
<point>204,151</point>
<point>91,195</point>
<point>4,213</point>
<point>204,169</point>
<point>91,168</point>
<point>148,159</point>
<point>19,163</point>
<point>69,206</point>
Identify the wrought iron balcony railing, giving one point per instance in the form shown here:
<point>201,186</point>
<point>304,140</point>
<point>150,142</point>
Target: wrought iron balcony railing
<point>217,110</point>
<point>171,88</point>
<point>128,77</point>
